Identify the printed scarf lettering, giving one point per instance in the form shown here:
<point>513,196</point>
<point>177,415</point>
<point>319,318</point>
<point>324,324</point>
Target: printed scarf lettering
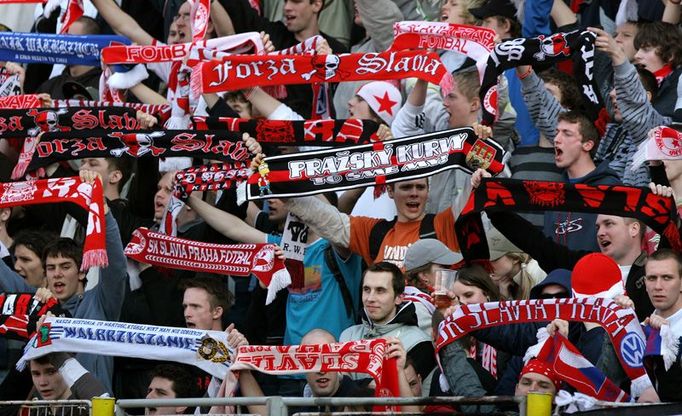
<point>18,123</point>
<point>207,350</point>
<point>41,48</point>
<point>546,49</point>
<point>237,259</point>
<point>57,147</point>
<point>69,189</point>
<point>361,356</point>
<point>620,324</point>
<point>245,71</point>
<point>378,163</point>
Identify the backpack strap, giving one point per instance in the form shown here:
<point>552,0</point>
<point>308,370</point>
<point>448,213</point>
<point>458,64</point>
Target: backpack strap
<point>333,265</point>
<point>377,235</point>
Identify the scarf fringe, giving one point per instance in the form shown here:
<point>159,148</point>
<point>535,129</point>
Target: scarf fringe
<point>280,280</point>
<point>670,346</point>
<point>94,258</point>
<point>126,80</point>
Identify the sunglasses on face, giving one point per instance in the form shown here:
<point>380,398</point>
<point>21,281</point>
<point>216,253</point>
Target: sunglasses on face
<point>558,295</point>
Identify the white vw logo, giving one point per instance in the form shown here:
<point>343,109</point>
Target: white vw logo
<point>632,349</point>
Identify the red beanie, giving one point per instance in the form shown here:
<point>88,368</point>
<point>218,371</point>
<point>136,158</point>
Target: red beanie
<point>540,367</point>
<point>597,275</point>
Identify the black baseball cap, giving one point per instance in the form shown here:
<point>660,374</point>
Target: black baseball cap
<point>494,8</point>
<point>72,89</point>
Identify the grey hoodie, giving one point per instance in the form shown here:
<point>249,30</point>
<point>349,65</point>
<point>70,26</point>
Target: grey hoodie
<point>103,302</point>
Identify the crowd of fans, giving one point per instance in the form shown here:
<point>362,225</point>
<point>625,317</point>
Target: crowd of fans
<point>371,254</point>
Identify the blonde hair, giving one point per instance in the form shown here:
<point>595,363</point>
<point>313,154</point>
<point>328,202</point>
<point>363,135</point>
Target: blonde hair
<point>465,5</point>
<point>468,83</point>
<point>520,289</point>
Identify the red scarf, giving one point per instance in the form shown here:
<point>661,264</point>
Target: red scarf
<point>361,356</point>
<point>74,11</point>
<point>662,73</point>
<point>621,325</point>
<point>237,260</point>
<point>21,101</point>
<point>246,71</point>
<point>19,313</point>
<point>69,189</point>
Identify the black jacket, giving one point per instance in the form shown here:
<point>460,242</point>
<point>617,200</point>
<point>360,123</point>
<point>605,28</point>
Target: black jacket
<point>552,255</point>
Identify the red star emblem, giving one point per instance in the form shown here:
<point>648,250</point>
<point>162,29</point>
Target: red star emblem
<point>385,103</point>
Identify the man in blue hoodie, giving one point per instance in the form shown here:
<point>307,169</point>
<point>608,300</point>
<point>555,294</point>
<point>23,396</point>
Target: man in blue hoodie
<point>575,144</point>
<point>62,259</point>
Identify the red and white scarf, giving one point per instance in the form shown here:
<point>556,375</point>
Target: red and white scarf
<point>621,325</point>
<point>664,143</point>
<point>562,357</point>
<point>361,356</point>
<point>19,102</point>
<point>662,73</point>
<point>237,260</point>
<point>473,41</point>
<point>69,189</point>
<point>246,71</point>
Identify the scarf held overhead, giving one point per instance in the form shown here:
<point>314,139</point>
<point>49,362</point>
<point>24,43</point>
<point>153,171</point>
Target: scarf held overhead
<point>19,313</point>
<point>378,163</point>
<point>214,177</point>
<point>68,189</point>
<point>656,211</point>
<point>55,147</point>
<point>207,350</point>
<point>245,71</point>
<point>18,123</point>
<point>361,356</point>
<point>620,324</point>
<point>546,50</point>
<point>238,260</point>
<point>21,101</point>
<point>326,132</point>
<point>41,48</point>
<point>147,54</point>
<point>663,143</point>
<point>473,41</point>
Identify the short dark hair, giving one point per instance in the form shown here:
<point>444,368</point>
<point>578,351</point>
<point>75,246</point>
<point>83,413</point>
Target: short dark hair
<point>397,277</point>
<point>648,80</point>
<point>477,276</point>
<point>213,284</point>
<point>64,247</point>
<point>571,97</point>
<point>514,25</point>
<point>184,383</point>
<point>586,127</point>
<point>123,164</point>
<point>91,25</point>
<point>665,254</point>
<point>665,37</point>
<point>34,240</point>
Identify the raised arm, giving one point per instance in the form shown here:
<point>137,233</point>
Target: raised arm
<point>121,22</point>
<point>324,219</point>
<point>226,223</point>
